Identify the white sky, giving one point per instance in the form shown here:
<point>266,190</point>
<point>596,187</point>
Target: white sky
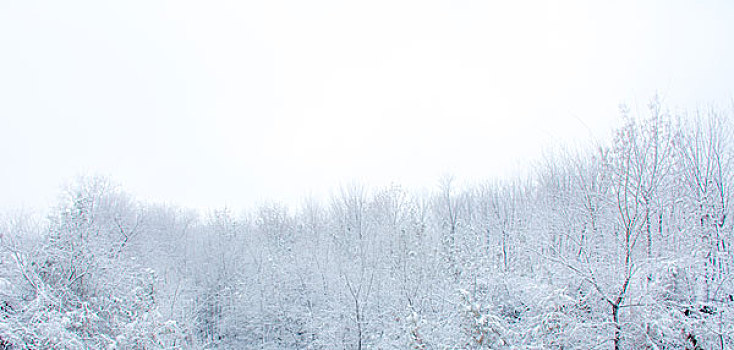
<point>213,103</point>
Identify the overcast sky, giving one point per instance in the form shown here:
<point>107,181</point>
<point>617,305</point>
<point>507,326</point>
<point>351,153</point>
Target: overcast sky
<point>213,103</point>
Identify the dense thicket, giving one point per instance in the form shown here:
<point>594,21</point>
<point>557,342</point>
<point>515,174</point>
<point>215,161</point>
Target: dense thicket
<point>624,245</point>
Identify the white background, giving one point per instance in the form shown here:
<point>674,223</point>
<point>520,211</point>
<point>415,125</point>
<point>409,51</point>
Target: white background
<point>214,103</point>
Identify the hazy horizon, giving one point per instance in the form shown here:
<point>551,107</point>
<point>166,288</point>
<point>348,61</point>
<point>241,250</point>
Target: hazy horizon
<point>236,103</point>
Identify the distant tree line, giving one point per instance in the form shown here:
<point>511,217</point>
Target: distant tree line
<point>624,245</point>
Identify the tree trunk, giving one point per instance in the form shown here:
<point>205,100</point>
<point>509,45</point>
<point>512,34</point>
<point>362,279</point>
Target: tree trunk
<point>617,327</point>
<point>359,323</point>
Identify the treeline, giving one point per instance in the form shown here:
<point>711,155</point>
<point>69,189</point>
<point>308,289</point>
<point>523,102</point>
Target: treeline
<point>624,245</point>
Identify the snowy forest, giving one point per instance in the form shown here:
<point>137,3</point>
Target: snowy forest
<point>624,244</point>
